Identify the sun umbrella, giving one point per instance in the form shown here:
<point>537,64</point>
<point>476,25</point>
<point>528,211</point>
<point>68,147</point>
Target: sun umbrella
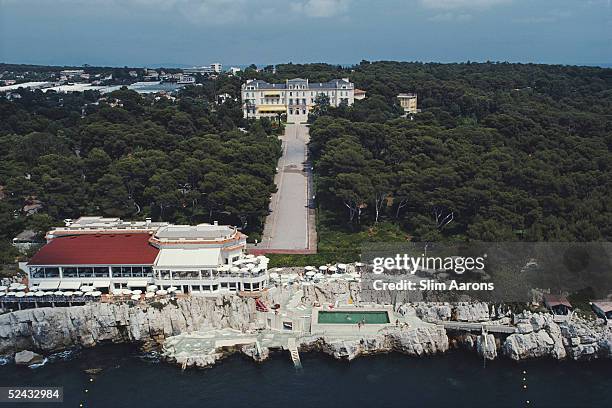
<point>10,293</point>
<point>58,293</point>
<point>311,273</point>
<point>20,294</point>
<point>96,293</point>
<point>342,266</point>
<point>30,294</point>
<point>162,292</point>
<point>78,293</point>
<point>250,256</point>
<point>149,295</point>
<point>2,294</point>
<point>322,268</point>
<point>126,291</point>
<point>3,288</point>
<point>68,293</point>
<point>87,288</point>
<point>151,288</point>
<point>309,268</point>
<point>319,276</point>
<point>135,297</point>
<point>137,292</point>
<point>39,294</point>
<point>332,269</point>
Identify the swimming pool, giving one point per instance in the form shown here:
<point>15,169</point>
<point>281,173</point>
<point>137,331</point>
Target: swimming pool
<point>353,317</point>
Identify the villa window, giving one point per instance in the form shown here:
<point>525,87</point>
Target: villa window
<point>69,272</point>
<point>101,272</point>
<point>85,272</point>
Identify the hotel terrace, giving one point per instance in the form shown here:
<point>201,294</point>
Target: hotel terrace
<point>110,254</point>
<point>295,98</point>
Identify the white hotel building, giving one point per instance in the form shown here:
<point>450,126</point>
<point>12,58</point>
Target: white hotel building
<point>108,253</point>
<point>295,97</point>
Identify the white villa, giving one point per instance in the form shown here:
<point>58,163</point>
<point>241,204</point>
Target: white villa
<point>295,97</point>
<point>108,253</point>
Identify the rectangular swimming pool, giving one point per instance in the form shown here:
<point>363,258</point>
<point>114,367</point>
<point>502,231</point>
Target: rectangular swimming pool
<point>353,317</point>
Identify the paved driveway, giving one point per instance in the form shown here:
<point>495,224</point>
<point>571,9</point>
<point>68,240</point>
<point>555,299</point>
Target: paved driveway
<point>287,225</point>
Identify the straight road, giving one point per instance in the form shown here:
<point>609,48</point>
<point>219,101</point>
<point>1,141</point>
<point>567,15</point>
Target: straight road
<point>287,226</point>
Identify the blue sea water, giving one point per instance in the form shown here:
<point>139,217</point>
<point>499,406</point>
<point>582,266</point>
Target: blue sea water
<point>125,378</point>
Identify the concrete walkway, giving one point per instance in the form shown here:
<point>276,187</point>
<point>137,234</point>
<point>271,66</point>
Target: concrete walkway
<point>290,224</point>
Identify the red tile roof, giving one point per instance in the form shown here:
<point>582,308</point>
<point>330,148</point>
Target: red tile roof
<point>556,300</point>
<point>97,249</point>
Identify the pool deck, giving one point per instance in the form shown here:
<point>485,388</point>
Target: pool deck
<point>207,344</point>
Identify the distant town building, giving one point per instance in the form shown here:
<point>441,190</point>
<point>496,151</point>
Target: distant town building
<point>108,254</point>
<point>408,102</point>
<point>215,68</point>
<point>186,79</point>
<point>151,75</point>
<point>234,70</point>
<point>71,73</point>
<point>295,98</point>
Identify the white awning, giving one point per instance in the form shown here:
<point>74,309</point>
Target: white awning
<point>49,285</point>
<point>69,285</point>
<point>101,284</point>
<point>137,284</point>
<point>188,258</point>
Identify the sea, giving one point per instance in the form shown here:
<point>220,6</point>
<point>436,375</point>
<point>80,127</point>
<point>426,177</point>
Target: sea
<point>121,376</point>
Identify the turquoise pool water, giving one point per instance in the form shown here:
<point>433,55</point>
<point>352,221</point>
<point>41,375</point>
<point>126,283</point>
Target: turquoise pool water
<point>353,317</point>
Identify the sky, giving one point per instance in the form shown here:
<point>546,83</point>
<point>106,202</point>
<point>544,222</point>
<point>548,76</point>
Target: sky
<point>199,32</point>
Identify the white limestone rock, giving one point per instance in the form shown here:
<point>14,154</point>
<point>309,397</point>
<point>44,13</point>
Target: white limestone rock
<point>486,346</point>
<point>471,312</point>
<point>433,312</point>
<point>51,329</point>
<point>27,357</point>
<point>531,345</point>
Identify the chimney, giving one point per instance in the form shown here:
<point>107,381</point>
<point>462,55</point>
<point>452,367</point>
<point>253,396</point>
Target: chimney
<point>147,221</point>
<point>216,223</point>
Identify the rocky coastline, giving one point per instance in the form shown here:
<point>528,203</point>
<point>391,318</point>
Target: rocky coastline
<point>48,330</point>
